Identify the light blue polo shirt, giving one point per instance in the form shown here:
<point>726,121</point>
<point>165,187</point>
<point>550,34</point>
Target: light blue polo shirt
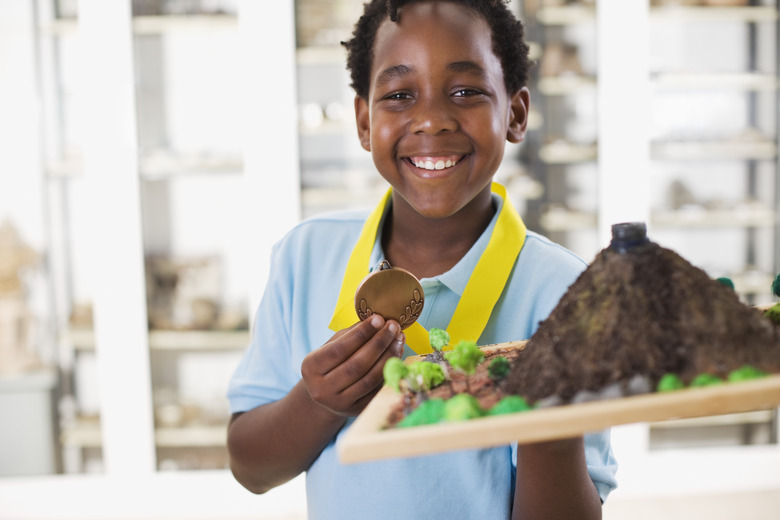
<point>292,319</point>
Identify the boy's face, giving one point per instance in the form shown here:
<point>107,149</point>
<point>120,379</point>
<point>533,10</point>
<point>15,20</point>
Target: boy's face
<point>438,114</point>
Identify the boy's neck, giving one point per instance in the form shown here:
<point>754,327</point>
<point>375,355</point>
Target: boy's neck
<point>429,247</point>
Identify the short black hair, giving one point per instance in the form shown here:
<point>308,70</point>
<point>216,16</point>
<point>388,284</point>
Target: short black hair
<point>507,34</point>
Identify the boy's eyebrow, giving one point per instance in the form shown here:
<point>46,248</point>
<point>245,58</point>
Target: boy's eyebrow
<point>391,73</point>
<point>398,71</point>
<point>467,67</point>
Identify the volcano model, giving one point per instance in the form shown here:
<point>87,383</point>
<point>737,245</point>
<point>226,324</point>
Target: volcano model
<point>638,312</point>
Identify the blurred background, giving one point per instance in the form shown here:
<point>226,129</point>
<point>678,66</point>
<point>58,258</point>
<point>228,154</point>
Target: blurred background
<point>154,150</point>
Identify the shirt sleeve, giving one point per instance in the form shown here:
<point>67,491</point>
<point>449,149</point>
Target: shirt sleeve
<point>265,373</point>
<point>293,315</point>
<point>601,462</point>
<point>602,465</point>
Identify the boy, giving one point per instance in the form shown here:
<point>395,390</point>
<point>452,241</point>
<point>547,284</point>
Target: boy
<point>440,89</point>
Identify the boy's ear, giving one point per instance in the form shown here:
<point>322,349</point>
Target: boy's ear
<point>518,115</point>
<point>363,122</point>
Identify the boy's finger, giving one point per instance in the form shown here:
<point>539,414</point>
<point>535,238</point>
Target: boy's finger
<point>364,389</point>
<point>363,369</point>
<point>345,343</point>
<point>388,341</point>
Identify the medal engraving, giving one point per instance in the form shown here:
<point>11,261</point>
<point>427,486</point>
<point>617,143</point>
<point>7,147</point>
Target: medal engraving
<point>391,292</point>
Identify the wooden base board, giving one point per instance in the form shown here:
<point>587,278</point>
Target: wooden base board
<point>367,439</point>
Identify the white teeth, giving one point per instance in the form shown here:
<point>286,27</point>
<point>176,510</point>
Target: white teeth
<point>438,165</point>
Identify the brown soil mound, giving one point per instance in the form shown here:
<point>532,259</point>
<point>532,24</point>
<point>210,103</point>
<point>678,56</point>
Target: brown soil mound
<point>641,311</point>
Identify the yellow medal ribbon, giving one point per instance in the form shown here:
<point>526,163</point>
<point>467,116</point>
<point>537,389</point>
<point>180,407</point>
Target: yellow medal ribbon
<point>482,291</point>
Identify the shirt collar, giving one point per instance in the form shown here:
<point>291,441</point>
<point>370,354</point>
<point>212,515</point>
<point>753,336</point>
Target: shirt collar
<point>456,278</point>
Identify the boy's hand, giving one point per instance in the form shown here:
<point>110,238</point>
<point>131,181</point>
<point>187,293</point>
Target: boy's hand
<point>346,372</point>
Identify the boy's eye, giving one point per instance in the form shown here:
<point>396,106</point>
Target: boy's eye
<point>397,96</point>
<point>466,92</point>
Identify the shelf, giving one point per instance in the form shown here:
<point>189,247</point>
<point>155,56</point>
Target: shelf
<point>166,164</point>
<point>180,23</point>
<point>155,165</point>
<point>699,217</point>
<point>146,25</point>
<point>87,434</point>
<point>171,340</point>
<point>341,196</point>
<point>566,84</point>
<point>755,417</point>
<point>535,51</point>
<point>535,119</point>
<point>345,127</point>
<point>567,220</point>
<point>714,14</point>
<point>752,282</point>
<point>668,81</point>
<point>191,437</point>
<point>561,152</point>
<point>38,379</point>
<point>321,55</point>
<point>566,15</point>
<point>198,340</point>
<point>84,433</point>
<point>67,167</point>
<point>712,150</point>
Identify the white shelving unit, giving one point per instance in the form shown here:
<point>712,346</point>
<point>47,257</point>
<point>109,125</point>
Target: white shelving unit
<point>741,442</point>
<point>563,152</point>
<point>103,150</point>
<point>741,153</point>
<point>118,166</point>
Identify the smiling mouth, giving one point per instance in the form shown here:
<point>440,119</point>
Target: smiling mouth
<point>435,162</point>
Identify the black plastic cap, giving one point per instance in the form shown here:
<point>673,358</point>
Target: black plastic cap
<point>628,235</point>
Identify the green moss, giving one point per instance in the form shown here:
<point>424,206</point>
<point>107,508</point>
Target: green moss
<point>439,339</point>
<point>705,380</point>
<point>394,371</point>
<point>424,375</point>
<point>510,404</point>
<point>465,356</point>
<point>670,383</point>
<point>428,412</point>
<point>746,373</point>
<point>498,368</point>
<point>773,313</point>
<point>725,281</point>
<point>462,407</point>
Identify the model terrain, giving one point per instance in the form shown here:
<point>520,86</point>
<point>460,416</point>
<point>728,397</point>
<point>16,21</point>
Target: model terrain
<point>639,319</point>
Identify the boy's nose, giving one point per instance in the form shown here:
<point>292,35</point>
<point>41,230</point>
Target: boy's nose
<point>432,117</point>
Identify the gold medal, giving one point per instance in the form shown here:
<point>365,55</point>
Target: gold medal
<point>392,292</point>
